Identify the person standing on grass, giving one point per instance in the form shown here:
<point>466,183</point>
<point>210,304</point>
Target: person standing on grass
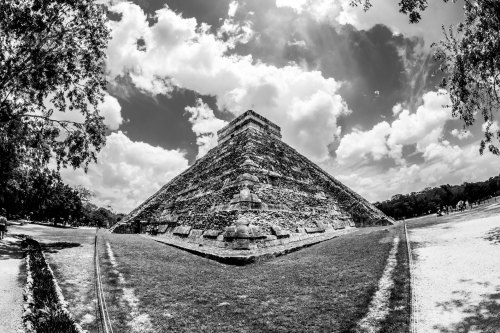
<point>3,226</point>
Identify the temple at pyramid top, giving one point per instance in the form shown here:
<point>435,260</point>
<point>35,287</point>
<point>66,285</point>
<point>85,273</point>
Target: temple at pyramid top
<point>249,119</point>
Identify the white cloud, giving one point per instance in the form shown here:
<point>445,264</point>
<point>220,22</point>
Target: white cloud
<point>396,109</point>
<point>180,52</point>
<point>205,126</point>
<point>385,12</point>
<point>423,128</point>
<point>444,164</point>
<point>110,109</point>
<point>356,146</point>
<point>322,10</point>
<point>461,134</point>
<point>233,7</point>
<point>127,172</point>
<point>490,126</point>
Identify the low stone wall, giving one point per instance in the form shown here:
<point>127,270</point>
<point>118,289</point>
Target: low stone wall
<point>242,252</point>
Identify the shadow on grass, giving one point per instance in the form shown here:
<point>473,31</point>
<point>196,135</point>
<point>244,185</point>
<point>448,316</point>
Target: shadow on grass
<point>479,317</point>
<point>493,236</point>
<point>57,246</point>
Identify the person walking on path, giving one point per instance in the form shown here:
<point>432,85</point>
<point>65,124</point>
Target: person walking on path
<point>3,226</point>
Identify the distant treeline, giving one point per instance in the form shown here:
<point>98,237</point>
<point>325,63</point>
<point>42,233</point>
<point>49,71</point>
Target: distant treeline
<point>41,195</point>
<point>430,200</point>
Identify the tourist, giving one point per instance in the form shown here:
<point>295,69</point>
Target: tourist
<point>3,226</point>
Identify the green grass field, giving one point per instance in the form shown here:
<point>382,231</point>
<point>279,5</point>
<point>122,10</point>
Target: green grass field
<point>324,288</point>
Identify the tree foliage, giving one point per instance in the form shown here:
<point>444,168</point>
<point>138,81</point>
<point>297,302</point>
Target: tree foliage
<point>51,61</point>
<point>412,8</point>
<point>40,195</point>
<point>469,56</point>
<point>432,199</point>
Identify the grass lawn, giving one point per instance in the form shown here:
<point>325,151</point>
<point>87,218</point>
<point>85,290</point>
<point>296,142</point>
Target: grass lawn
<point>323,288</point>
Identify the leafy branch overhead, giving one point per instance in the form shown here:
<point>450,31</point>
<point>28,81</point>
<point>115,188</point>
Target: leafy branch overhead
<point>469,56</point>
<point>52,80</point>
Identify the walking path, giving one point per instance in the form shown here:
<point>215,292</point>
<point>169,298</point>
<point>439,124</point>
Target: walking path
<point>12,279</point>
<point>457,276</point>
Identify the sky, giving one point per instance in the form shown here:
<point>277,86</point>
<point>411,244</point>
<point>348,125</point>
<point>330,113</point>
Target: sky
<point>356,92</point>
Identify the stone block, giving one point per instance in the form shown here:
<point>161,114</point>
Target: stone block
<point>162,228</point>
<point>320,225</point>
<point>182,231</point>
<point>279,233</point>
<point>314,230</point>
<point>195,233</point>
<point>212,233</point>
<point>339,225</point>
<point>241,244</point>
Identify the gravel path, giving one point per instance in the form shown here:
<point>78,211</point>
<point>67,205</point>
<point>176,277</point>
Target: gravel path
<point>457,276</point>
<point>12,279</point>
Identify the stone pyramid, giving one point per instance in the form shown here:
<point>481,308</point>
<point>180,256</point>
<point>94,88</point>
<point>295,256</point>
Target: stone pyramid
<point>253,186</point>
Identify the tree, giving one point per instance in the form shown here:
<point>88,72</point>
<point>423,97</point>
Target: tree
<point>469,56</point>
<point>51,61</point>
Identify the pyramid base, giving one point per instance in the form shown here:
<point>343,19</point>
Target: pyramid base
<point>243,252</point>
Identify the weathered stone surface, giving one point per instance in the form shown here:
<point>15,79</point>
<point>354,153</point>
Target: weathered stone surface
<point>255,179</point>
<point>162,228</point>
<point>182,231</point>
<point>195,233</point>
<point>280,233</point>
<point>314,230</point>
<point>241,244</point>
<point>212,233</point>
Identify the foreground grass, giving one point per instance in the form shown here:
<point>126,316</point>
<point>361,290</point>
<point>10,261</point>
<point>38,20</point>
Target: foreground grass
<point>327,287</point>
<point>398,319</point>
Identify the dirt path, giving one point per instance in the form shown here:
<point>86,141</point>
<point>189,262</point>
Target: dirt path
<point>457,276</point>
<point>12,281</point>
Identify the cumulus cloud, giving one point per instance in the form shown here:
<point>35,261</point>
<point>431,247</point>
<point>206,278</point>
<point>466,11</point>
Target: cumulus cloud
<point>233,7</point>
<point>443,163</point>
<point>356,146</point>
<point>422,128</point>
<point>461,134</point>
<point>110,109</point>
<point>205,126</point>
<point>180,52</point>
<point>127,172</point>
<point>396,109</point>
